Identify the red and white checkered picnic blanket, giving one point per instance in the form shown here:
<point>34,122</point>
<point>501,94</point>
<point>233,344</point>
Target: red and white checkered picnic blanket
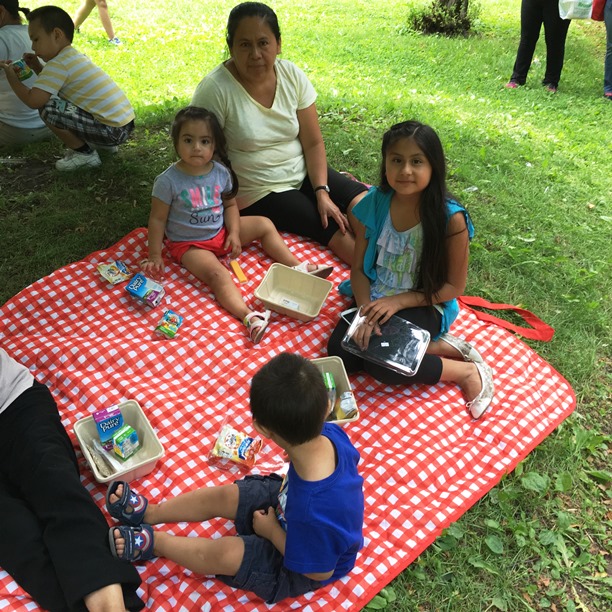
<point>424,461</point>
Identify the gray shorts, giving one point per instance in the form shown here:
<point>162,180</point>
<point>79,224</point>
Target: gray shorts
<point>66,116</point>
<point>262,571</point>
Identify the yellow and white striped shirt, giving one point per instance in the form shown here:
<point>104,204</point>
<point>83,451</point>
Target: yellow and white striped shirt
<point>75,78</point>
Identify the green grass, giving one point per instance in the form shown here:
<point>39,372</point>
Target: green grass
<point>543,213</point>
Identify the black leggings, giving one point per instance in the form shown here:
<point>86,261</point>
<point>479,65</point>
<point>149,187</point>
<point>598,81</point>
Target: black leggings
<point>295,211</point>
<point>534,13</point>
<point>54,537</point>
<point>429,371</point>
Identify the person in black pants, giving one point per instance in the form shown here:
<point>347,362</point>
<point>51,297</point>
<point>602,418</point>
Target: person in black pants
<point>54,538</point>
<point>534,13</point>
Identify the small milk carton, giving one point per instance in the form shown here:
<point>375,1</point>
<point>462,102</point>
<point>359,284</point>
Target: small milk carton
<point>125,442</point>
<point>146,289</point>
<point>108,422</point>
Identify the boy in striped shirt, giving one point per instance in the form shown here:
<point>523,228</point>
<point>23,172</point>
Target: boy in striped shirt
<point>79,102</point>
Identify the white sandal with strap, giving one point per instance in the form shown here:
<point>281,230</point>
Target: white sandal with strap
<point>256,324</point>
<point>480,404</point>
<point>468,352</point>
<point>319,271</point>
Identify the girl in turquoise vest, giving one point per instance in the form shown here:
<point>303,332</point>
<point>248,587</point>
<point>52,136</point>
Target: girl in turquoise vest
<point>411,260</point>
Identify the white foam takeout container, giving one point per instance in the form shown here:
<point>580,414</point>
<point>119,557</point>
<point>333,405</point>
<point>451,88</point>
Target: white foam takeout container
<point>142,462</point>
<point>293,293</point>
<point>335,365</point>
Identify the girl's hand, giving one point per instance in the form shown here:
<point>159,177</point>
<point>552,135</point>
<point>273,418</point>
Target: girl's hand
<point>265,523</point>
<point>364,331</point>
<point>381,310</point>
<point>153,267</point>
<point>328,209</point>
<point>233,242</point>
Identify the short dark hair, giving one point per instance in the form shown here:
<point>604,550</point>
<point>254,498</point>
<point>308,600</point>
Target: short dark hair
<point>197,113</point>
<point>51,17</point>
<point>251,9</point>
<point>289,398</point>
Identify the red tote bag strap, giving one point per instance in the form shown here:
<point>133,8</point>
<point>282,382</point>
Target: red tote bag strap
<point>538,330</point>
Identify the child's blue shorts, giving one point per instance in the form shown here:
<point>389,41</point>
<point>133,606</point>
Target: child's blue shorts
<point>262,571</point>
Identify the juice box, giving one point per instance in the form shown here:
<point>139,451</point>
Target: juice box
<point>169,324</point>
<point>125,442</point>
<point>114,272</point>
<point>145,289</point>
<point>108,422</point>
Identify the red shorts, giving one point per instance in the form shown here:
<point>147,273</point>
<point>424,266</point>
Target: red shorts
<point>214,245</point>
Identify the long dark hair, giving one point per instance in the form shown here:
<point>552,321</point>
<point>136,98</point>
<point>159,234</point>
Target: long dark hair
<point>251,9</point>
<point>433,269</point>
<point>197,113</point>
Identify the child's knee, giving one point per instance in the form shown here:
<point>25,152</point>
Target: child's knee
<point>216,277</point>
<point>265,226</point>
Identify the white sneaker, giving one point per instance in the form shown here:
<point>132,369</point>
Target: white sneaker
<point>114,41</point>
<point>73,160</point>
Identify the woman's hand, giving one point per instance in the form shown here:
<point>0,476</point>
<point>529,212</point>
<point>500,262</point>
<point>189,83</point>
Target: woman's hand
<point>311,140</point>
<point>153,267</point>
<point>232,241</point>
<point>328,209</point>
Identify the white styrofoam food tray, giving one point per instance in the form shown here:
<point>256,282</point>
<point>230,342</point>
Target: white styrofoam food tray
<point>293,293</point>
<point>142,462</point>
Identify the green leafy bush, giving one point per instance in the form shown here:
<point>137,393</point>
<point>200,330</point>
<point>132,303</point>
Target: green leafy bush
<point>447,17</point>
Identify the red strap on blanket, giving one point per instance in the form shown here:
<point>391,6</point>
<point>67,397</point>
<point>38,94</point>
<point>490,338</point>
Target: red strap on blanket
<point>538,330</point>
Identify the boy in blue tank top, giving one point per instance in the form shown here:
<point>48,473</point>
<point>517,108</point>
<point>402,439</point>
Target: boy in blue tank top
<point>294,534</point>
